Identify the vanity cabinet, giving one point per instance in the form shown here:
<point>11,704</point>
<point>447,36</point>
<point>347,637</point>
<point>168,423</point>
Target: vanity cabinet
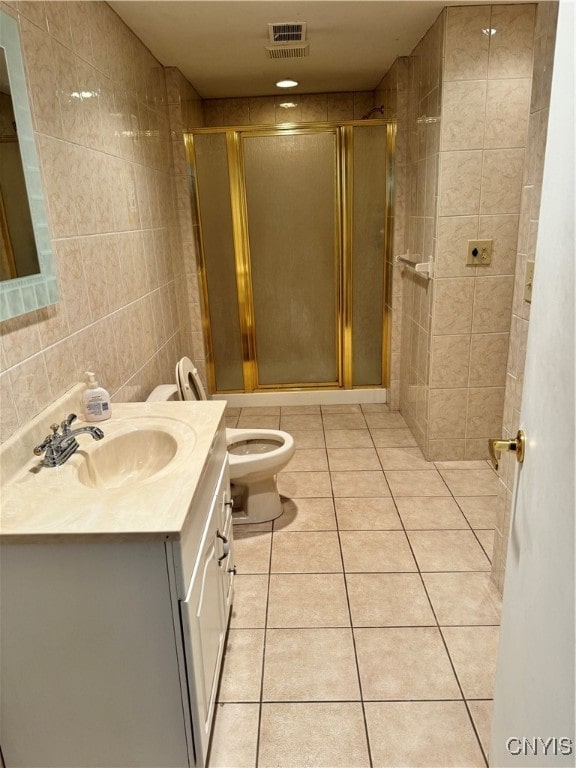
<point>111,645</point>
<point>204,613</point>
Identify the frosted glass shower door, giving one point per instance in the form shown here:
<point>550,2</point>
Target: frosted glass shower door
<point>292,215</point>
<point>369,219</point>
<point>215,210</point>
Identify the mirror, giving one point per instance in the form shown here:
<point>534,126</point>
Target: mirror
<point>27,276</point>
<point>18,257</point>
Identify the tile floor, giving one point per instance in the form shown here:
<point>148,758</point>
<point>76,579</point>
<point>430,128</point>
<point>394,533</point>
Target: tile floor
<point>364,628</point>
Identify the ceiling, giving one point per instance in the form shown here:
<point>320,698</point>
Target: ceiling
<point>219,45</point>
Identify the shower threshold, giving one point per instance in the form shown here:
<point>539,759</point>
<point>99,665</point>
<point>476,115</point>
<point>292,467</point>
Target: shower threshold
<point>305,397</point>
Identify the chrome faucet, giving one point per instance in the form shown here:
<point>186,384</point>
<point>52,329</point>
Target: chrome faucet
<point>58,447</point>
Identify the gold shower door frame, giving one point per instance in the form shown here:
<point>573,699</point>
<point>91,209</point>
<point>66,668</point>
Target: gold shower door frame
<point>343,235</point>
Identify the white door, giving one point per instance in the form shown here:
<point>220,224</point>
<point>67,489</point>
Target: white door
<point>534,694</point>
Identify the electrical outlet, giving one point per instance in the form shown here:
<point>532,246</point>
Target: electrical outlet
<point>479,253</point>
<point>529,281</point>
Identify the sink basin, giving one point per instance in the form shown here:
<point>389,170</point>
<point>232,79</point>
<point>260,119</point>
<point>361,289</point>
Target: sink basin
<point>128,458</point>
<point>138,479</point>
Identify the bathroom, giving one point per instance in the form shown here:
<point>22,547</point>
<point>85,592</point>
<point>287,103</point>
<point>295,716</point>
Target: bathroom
<point>125,249</point>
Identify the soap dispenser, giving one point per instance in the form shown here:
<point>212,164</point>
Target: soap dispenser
<point>95,400</point>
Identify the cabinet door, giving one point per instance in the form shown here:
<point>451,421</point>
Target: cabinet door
<point>204,618</point>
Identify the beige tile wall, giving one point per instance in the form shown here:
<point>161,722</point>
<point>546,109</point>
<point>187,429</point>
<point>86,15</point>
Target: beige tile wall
<point>108,174</point>
<point>308,108</point>
<point>544,39</point>
<point>466,115</point>
<point>412,94</point>
<point>186,112</point>
<point>485,107</point>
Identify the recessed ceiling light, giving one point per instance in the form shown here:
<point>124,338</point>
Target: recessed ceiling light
<point>489,31</point>
<point>286,83</point>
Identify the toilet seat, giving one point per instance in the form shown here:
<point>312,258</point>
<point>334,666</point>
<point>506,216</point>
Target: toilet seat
<point>257,462</point>
<point>247,462</point>
<point>246,446</point>
<point>261,454</point>
<point>188,380</point>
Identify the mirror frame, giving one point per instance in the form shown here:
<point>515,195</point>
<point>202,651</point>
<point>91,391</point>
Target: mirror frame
<point>25,294</point>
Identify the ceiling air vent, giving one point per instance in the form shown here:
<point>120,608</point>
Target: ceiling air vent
<point>287,51</point>
<point>287,32</point>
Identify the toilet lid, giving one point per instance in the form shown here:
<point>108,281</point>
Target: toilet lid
<point>188,381</point>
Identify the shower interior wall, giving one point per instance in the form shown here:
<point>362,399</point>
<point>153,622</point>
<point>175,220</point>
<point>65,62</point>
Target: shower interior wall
<point>305,108</point>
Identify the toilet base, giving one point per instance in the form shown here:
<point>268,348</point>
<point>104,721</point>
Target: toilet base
<point>261,502</point>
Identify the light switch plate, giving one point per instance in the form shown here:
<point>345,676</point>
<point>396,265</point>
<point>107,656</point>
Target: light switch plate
<point>479,253</point>
<point>529,281</point>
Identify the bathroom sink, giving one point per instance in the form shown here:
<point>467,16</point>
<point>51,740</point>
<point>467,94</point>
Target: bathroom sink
<point>128,458</point>
<point>140,478</point>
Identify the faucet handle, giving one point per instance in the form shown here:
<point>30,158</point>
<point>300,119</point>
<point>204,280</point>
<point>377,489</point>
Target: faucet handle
<point>39,450</point>
<point>55,427</point>
<point>67,422</point>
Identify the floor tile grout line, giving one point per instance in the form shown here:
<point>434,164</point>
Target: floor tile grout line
<point>356,661</point>
<point>316,573</point>
<point>260,703</point>
<point>349,701</point>
<point>388,484</point>
<point>370,530</point>
<point>454,670</point>
<point>469,526</point>
<point>434,612</point>
<point>444,643</point>
<point>444,625</point>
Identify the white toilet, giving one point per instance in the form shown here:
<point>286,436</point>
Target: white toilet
<point>255,456</point>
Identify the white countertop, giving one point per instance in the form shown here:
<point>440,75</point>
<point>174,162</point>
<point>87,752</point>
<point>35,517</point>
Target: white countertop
<point>53,502</point>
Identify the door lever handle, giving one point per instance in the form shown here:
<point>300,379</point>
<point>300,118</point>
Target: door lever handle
<point>517,446</point>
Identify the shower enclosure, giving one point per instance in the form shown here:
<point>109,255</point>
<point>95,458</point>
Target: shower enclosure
<point>295,232</point>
